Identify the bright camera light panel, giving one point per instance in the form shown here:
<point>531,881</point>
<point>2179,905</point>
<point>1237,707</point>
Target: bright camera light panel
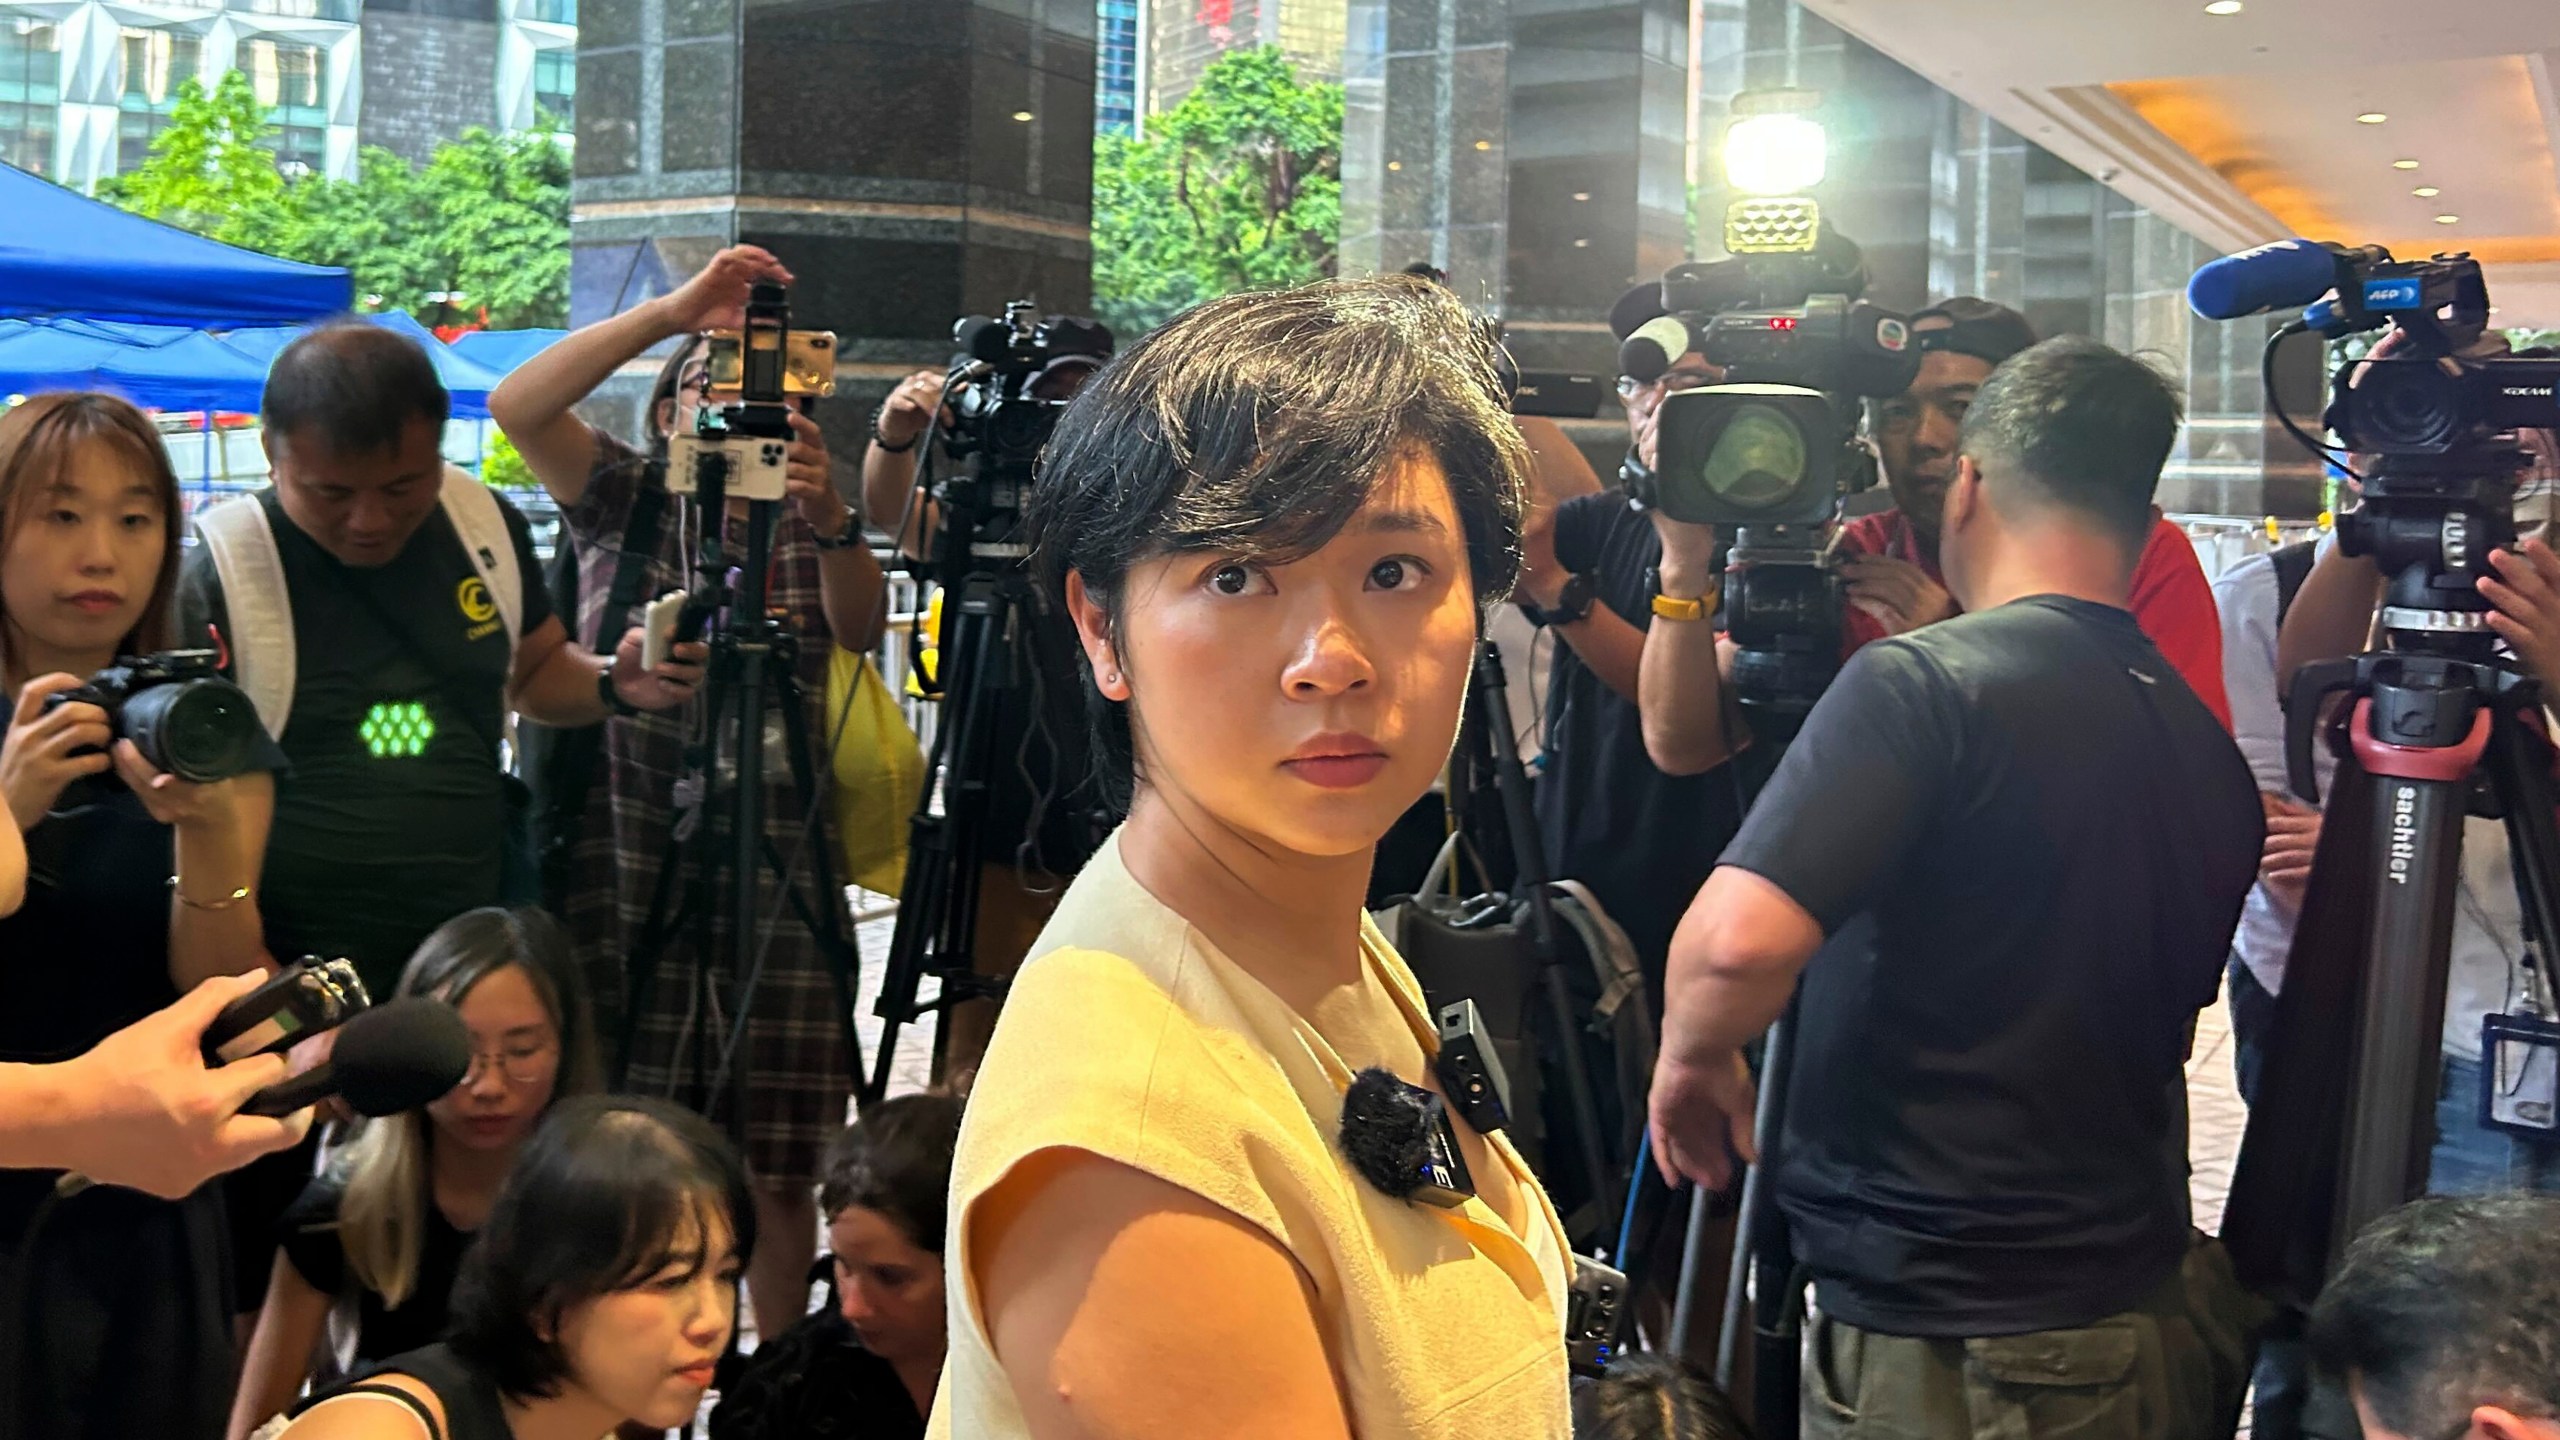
<point>1781,154</point>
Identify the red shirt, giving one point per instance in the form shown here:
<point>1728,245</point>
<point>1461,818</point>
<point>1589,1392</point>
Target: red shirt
<point>2171,600</point>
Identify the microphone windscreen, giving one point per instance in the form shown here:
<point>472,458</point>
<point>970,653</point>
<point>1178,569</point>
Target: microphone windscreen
<point>981,337</point>
<point>1386,1131</point>
<point>1648,353</point>
<point>2280,276</point>
<point>399,1056</point>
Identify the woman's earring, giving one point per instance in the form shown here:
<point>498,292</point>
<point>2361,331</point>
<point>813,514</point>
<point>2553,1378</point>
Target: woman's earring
<point>1110,677</point>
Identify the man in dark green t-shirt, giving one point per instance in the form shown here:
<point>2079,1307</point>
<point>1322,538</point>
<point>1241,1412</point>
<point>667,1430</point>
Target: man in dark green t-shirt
<point>393,817</point>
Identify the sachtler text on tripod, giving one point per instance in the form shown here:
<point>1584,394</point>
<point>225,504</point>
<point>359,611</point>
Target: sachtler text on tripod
<point>2431,419</point>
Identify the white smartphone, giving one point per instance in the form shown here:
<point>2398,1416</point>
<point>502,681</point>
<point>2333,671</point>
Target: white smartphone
<point>658,629</point>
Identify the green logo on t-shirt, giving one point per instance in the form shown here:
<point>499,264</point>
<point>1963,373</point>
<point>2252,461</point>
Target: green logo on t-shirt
<point>395,728</point>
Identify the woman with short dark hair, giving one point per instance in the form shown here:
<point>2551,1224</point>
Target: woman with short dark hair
<point>601,1292</point>
<point>1277,523</point>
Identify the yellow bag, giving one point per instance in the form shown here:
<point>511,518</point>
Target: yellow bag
<point>879,773</point>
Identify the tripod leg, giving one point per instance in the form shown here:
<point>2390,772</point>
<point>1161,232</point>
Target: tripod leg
<point>2420,796</point>
<point>1530,876</point>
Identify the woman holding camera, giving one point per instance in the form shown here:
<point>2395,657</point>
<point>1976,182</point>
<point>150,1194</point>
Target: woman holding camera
<point>830,590</point>
<point>1278,523</point>
<point>140,885</point>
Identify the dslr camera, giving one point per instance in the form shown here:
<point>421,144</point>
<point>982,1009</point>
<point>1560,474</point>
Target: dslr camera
<point>740,449</point>
<point>177,710</point>
<point>1773,449</point>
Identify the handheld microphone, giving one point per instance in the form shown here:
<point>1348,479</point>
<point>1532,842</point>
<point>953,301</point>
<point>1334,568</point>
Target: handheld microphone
<point>1645,355</point>
<point>391,1058</point>
<point>2279,276</point>
<point>297,1002</point>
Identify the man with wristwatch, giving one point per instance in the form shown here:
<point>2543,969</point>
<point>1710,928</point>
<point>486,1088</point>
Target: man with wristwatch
<point>1641,839</point>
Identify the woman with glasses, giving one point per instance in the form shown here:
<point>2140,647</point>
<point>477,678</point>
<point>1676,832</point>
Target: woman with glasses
<point>385,1227</point>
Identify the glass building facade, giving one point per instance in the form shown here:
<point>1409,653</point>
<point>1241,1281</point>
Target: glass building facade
<point>1117,57</point>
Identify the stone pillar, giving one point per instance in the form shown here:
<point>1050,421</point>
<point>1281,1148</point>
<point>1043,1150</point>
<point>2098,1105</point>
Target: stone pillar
<point>1424,163</point>
<point>910,162</point>
<point>1598,175</point>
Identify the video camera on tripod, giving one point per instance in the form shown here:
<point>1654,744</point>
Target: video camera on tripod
<point>2431,711</point>
<point>1773,449</point>
<point>999,424</point>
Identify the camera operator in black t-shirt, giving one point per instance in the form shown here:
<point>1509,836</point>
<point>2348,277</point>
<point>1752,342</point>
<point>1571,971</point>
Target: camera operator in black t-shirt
<point>1640,838</point>
<point>2025,841</point>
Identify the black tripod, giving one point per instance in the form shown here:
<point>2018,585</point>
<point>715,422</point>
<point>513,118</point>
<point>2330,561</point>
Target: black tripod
<point>1530,879</point>
<point>985,661</point>
<point>2424,724</point>
<point>751,671</point>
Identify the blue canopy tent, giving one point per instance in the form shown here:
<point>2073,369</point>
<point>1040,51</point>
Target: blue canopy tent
<point>469,384</point>
<point>64,254</point>
<point>503,350</point>
<point>178,370</point>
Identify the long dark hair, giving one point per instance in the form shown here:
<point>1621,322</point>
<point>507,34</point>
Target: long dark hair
<point>382,1221</point>
<point>602,1198</point>
<point>38,440</point>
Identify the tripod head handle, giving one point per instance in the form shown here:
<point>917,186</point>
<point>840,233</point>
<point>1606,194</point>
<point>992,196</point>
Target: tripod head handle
<point>2313,684</point>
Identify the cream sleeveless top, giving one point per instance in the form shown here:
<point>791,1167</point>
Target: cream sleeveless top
<point>1131,1037</point>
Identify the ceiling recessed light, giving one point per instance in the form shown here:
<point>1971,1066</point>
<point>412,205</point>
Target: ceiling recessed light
<point>2223,7</point>
<point>2426,192</point>
<point>2404,164</point>
<point>2448,219</point>
<point>1484,144</point>
<point>1395,164</point>
<point>1581,244</point>
<point>1022,115</point>
<point>2371,117</point>
<point>1581,194</point>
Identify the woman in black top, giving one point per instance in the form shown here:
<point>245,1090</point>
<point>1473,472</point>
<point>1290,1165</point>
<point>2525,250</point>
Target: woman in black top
<point>387,1226</point>
<point>601,1292</point>
<point>139,886</point>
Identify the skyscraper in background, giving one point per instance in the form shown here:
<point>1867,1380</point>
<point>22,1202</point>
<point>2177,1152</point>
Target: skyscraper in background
<point>1185,36</point>
<point>1118,78</point>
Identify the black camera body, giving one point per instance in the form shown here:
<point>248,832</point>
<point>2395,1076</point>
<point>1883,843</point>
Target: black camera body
<point>1772,450</point>
<point>177,710</point>
<point>2437,425</point>
<point>1776,442</point>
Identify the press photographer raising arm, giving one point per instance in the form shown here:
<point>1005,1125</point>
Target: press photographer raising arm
<point>829,590</point>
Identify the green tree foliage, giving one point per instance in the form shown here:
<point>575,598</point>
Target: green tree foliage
<point>207,172</point>
<point>1238,187</point>
<point>502,466</point>
<point>487,218</point>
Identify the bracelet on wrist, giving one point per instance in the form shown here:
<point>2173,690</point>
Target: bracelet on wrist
<point>235,897</point>
<point>881,439</point>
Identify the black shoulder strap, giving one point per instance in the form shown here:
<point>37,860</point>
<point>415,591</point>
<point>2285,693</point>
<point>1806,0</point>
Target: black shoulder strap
<point>631,566</point>
<point>416,1406</point>
<point>2293,566</point>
